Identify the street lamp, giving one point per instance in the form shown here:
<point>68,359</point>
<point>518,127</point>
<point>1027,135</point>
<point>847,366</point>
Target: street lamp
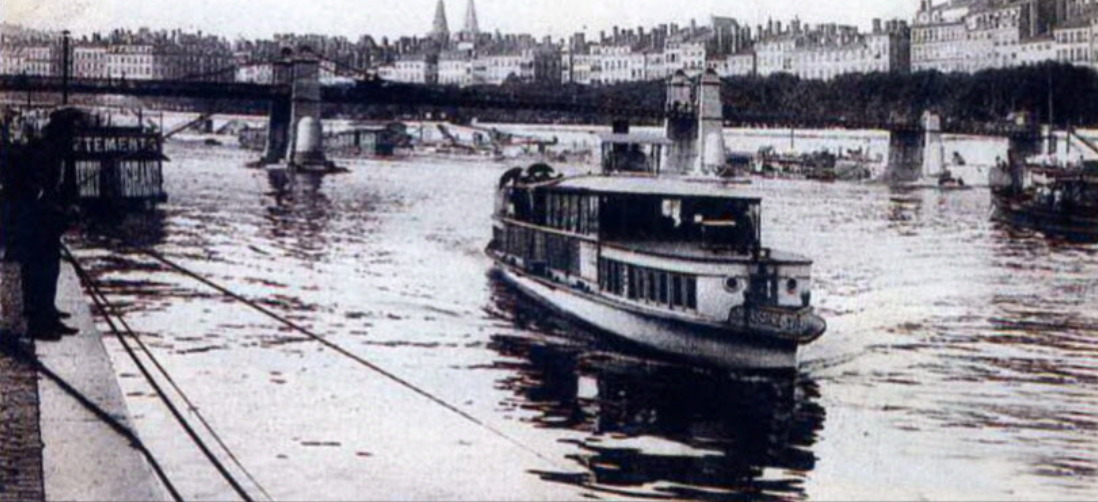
<point>66,65</point>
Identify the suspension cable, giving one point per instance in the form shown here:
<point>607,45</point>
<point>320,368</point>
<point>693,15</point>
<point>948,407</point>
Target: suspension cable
<point>350,355</point>
<point>104,308</point>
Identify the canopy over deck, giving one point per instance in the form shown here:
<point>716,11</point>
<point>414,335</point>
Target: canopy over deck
<point>647,185</point>
<point>633,139</point>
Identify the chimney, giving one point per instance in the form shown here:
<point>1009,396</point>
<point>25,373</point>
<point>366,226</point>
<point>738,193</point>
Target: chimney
<point>876,25</point>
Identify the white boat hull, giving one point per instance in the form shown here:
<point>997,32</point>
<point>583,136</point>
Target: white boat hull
<point>724,348</point>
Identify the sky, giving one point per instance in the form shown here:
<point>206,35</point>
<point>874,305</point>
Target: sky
<point>354,18</point>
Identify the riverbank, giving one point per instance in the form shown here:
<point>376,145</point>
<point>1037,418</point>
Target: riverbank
<point>53,446</point>
<point>20,435</point>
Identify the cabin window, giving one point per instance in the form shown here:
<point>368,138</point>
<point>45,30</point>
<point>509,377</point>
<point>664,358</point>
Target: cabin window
<point>592,214</point>
<point>647,285</point>
<point>575,213</point>
<point>677,290</point>
<point>691,285</point>
<point>572,210</point>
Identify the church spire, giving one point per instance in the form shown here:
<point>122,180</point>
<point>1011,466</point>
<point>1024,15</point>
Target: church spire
<point>471,25</point>
<point>440,29</point>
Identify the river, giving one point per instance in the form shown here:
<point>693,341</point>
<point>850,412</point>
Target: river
<point>960,362</point>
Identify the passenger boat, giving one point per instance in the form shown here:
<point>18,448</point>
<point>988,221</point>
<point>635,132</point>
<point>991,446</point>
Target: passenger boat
<point>656,254</point>
<point>1061,201</point>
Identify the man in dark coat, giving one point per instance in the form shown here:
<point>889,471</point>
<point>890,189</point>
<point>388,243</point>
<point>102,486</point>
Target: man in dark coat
<point>43,220</point>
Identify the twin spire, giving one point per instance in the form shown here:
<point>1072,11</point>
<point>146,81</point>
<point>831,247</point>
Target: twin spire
<point>471,25</point>
<point>440,29</point>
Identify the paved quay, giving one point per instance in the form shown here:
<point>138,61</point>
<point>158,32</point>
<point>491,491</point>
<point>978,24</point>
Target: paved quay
<point>52,446</point>
<point>20,437</point>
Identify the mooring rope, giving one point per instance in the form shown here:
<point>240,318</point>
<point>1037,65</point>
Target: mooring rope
<point>102,415</point>
<point>350,355</point>
<point>105,309</point>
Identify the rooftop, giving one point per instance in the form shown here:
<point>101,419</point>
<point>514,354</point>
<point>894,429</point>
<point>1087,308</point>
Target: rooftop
<point>634,139</point>
<point>661,186</point>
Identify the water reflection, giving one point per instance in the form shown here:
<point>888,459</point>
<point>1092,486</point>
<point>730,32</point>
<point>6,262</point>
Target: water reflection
<point>653,428</point>
<point>905,211</point>
<point>300,214</point>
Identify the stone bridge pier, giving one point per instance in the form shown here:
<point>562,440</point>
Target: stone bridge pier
<point>905,154</point>
<point>295,133</point>
<point>916,151</point>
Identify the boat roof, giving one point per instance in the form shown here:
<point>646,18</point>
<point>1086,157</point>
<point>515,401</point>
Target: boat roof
<point>634,139</point>
<point>667,186</point>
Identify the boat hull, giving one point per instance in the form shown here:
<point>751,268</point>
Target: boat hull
<point>727,348</point>
<point>1026,215</point>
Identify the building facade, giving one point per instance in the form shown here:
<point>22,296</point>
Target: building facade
<point>974,35</point>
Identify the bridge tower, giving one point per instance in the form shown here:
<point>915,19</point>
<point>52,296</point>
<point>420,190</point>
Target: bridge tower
<point>711,151</point>
<point>281,111</point>
<point>934,160</point>
<point>306,131</point>
<point>295,134</point>
<point>681,125</point>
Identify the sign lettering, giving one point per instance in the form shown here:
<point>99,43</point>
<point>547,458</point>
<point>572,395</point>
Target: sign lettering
<point>114,145</point>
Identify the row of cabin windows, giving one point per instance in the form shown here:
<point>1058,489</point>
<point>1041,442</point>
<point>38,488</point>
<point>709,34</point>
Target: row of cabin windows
<point>558,252</point>
<point>572,212</point>
<point>648,285</point>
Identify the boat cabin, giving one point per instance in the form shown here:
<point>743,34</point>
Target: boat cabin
<point>632,153</point>
<point>673,216</point>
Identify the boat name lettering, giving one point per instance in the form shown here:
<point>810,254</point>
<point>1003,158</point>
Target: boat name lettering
<point>773,319</point>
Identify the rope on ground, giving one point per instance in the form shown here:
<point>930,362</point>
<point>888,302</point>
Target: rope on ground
<point>347,353</point>
<point>105,309</point>
<point>171,381</point>
<point>99,413</point>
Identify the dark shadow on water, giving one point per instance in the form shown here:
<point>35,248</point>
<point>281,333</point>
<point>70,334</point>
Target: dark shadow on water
<point>654,428</point>
<point>121,229</point>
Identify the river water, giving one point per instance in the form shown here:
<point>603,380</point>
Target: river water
<point>960,362</point>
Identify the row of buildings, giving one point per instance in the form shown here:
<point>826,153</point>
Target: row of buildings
<point>949,36</point>
<point>973,35</point>
<point>725,45</point>
<point>141,55</point>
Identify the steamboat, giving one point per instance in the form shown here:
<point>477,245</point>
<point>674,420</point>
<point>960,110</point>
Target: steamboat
<point>656,249</point>
<point>1054,199</point>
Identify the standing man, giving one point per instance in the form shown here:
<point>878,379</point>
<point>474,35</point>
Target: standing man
<point>46,221</point>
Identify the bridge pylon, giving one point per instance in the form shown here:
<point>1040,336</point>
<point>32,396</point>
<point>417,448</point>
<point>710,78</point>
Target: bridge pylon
<point>295,131</point>
<point>280,117</point>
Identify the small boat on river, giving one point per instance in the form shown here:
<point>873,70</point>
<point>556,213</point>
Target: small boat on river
<point>1061,201</point>
<point>669,261</point>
